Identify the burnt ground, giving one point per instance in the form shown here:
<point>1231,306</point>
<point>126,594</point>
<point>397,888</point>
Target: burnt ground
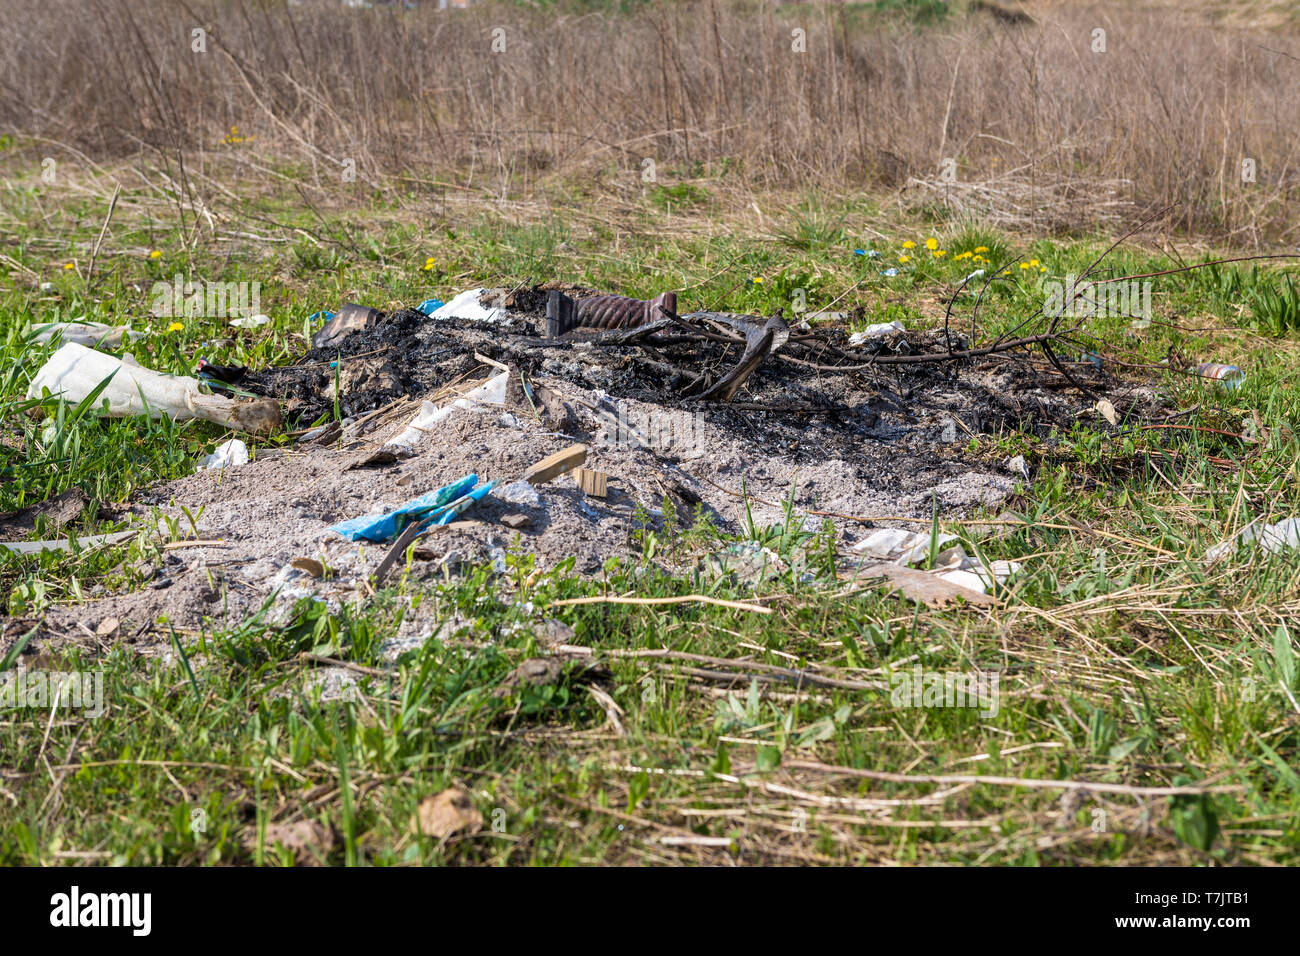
<point>875,441</point>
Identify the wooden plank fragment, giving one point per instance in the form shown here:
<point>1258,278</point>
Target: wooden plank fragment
<point>552,466</point>
<point>593,483</point>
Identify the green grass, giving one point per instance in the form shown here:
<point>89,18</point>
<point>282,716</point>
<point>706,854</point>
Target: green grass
<point>1123,659</point>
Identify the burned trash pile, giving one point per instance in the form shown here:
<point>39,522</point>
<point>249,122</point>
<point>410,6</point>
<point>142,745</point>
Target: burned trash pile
<point>790,401</point>
<point>561,423</point>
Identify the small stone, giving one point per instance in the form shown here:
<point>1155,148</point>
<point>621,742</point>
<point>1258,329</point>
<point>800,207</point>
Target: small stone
<point>309,565</point>
<point>446,813</point>
<point>520,493</point>
<point>557,632</point>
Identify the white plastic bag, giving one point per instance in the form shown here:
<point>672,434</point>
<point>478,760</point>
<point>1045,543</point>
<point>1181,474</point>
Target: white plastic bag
<point>467,306</point>
<point>74,371</point>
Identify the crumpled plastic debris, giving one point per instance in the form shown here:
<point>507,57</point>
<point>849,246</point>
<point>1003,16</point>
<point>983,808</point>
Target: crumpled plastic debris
<point>230,454</point>
<point>952,564</point>
<point>898,546</point>
<point>93,334</point>
<point>434,508</point>
<point>877,331</point>
<point>493,391</point>
<point>74,372</point>
<point>1273,538</point>
<point>749,562</point>
<point>251,321</point>
<point>956,566</point>
<point>1229,376</point>
<point>466,305</point>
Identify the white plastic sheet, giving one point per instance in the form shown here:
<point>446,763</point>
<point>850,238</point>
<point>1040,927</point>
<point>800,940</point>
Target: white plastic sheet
<point>492,391</point>
<point>466,306</point>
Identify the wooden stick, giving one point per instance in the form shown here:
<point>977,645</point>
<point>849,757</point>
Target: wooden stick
<point>197,543</point>
<point>1031,783</point>
<point>552,466</point>
<point>702,598</point>
<point>90,270</point>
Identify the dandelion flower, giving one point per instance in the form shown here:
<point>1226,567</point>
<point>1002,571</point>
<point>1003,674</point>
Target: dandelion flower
<point>1006,272</point>
<point>940,253</point>
<point>429,264</point>
<point>68,265</point>
<point>156,254</point>
<point>904,258</point>
<point>1033,262</point>
<point>909,244</point>
<point>175,327</point>
<point>758,280</point>
<point>981,248</point>
<point>932,243</point>
<point>1042,268</point>
<point>1024,265</point>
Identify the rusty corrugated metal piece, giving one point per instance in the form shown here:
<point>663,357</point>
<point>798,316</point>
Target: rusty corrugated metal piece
<point>621,312</point>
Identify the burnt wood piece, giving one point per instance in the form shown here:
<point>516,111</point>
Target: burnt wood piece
<point>561,314</point>
<point>762,338</point>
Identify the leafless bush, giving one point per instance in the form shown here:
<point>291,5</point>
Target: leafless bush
<point>1028,117</point>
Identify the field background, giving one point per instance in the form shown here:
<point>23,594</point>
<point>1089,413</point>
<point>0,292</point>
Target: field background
<point>387,155</point>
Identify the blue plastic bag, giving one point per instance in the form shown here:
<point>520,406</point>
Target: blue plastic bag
<point>382,527</point>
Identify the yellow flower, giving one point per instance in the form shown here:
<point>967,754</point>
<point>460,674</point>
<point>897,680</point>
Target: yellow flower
<point>932,243</point>
<point>1033,262</point>
<point>909,244</point>
<point>1042,268</point>
<point>981,248</point>
<point>175,327</point>
<point>1024,265</point>
<point>1006,272</point>
<point>979,259</point>
<point>758,280</point>
<point>429,263</point>
<point>68,265</point>
<point>938,253</point>
<point>904,258</point>
<point>156,254</point>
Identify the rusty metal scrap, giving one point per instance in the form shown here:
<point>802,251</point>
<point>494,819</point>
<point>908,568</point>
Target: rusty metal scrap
<point>603,312</point>
<point>621,312</point>
<point>762,338</point>
<point>626,321</point>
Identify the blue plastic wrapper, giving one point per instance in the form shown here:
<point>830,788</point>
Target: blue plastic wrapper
<point>382,527</point>
<point>445,515</point>
<point>429,306</point>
